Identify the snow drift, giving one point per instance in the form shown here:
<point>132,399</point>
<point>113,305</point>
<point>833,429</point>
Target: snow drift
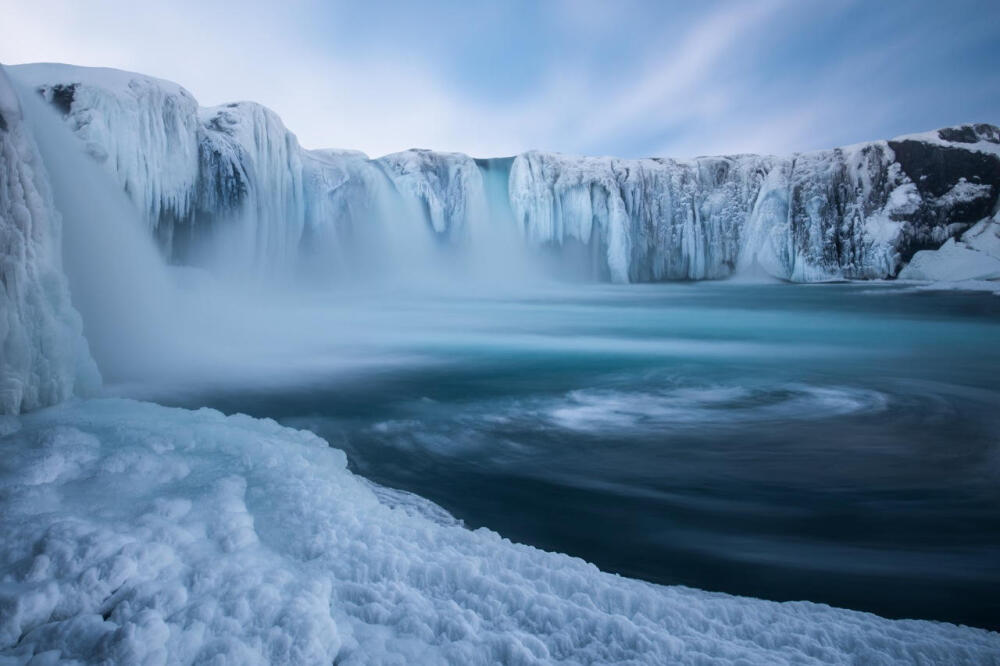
<point>141,534</point>
<point>237,173</point>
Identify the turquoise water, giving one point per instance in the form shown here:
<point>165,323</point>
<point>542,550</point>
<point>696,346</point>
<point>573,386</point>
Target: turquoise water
<point>836,443</point>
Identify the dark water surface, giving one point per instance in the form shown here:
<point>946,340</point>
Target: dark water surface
<point>836,443</point>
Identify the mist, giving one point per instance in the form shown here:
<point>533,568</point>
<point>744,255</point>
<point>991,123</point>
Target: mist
<point>350,301</point>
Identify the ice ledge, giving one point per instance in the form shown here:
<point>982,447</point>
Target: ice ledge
<point>134,533</point>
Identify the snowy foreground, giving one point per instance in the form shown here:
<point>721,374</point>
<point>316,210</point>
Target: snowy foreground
<point>134,533</point>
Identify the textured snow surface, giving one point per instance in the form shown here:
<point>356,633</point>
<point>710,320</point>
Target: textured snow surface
<point>235,175</point>
<point>43,356</point>
<point>133,533</point>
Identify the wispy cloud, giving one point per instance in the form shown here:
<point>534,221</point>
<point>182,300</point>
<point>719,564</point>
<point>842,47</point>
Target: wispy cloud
<point>631,78</point>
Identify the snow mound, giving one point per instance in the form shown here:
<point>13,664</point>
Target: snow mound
<point>133,533</point>
<point>43,356</point>
<point>975,257</point>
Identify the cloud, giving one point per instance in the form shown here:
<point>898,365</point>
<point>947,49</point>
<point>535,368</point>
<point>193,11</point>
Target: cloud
<point>629,78</point>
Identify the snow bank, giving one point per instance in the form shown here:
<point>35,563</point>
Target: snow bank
<point>43,356</point>
<point>975,257</point>
<point>141,534</point>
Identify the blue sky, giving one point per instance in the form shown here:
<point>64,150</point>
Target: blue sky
<point>630,77</point>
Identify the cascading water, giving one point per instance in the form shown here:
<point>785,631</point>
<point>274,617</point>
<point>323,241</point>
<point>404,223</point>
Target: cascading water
<point>254,203</point>
<point>118,279</point>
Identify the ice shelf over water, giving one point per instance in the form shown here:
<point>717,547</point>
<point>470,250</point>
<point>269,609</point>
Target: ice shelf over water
<point>235,173</point>
<point>134,533</point>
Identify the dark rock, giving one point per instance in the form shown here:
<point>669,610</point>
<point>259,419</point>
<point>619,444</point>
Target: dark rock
<point>970,133</point>
<point>60,96</point>
<point>963,134</point>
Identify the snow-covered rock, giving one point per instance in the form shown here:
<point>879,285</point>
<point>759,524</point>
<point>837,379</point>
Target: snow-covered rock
<point>43,356</point>
<point>975,257</point>
<point>132,533</point>
<point>857,212</point>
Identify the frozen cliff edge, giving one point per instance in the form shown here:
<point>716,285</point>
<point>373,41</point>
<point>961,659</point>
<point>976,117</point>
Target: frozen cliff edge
<point>974,258</point>
<point>137,533</point>
<point>43,356</point>
<point>236,173</point>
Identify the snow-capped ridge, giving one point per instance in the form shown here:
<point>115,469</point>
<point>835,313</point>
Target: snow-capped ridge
<point>981,137</point>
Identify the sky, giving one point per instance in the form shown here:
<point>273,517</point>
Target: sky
<point>632,78</point>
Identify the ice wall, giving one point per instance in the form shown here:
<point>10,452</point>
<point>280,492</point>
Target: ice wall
<point>652,219</point>
<point>43,356</point>
<point>143,129</point>
<point>235,180</point>
<point>250,180</point>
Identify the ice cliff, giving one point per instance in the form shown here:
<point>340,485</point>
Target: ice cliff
<point>236,173</point>
<point>43,356</point>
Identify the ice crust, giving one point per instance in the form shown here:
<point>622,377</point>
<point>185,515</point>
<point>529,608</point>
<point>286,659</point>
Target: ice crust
<point>133,533</point>
<point>235,172</point>
<point>43,356</point>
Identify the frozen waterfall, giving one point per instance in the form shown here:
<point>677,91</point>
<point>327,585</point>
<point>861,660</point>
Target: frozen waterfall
<point>231,188</point>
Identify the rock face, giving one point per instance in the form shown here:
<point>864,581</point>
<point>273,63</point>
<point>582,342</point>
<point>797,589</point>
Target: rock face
<point>43,356</point>
<point>234,179</point>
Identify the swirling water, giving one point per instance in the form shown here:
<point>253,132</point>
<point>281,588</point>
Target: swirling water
<point>836,443</point>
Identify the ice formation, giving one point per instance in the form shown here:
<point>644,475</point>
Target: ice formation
<point>143,129</point>
<point>134,533</point>
<point>235,173</point>
<point>43,356</point>
<point>975,257</point>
